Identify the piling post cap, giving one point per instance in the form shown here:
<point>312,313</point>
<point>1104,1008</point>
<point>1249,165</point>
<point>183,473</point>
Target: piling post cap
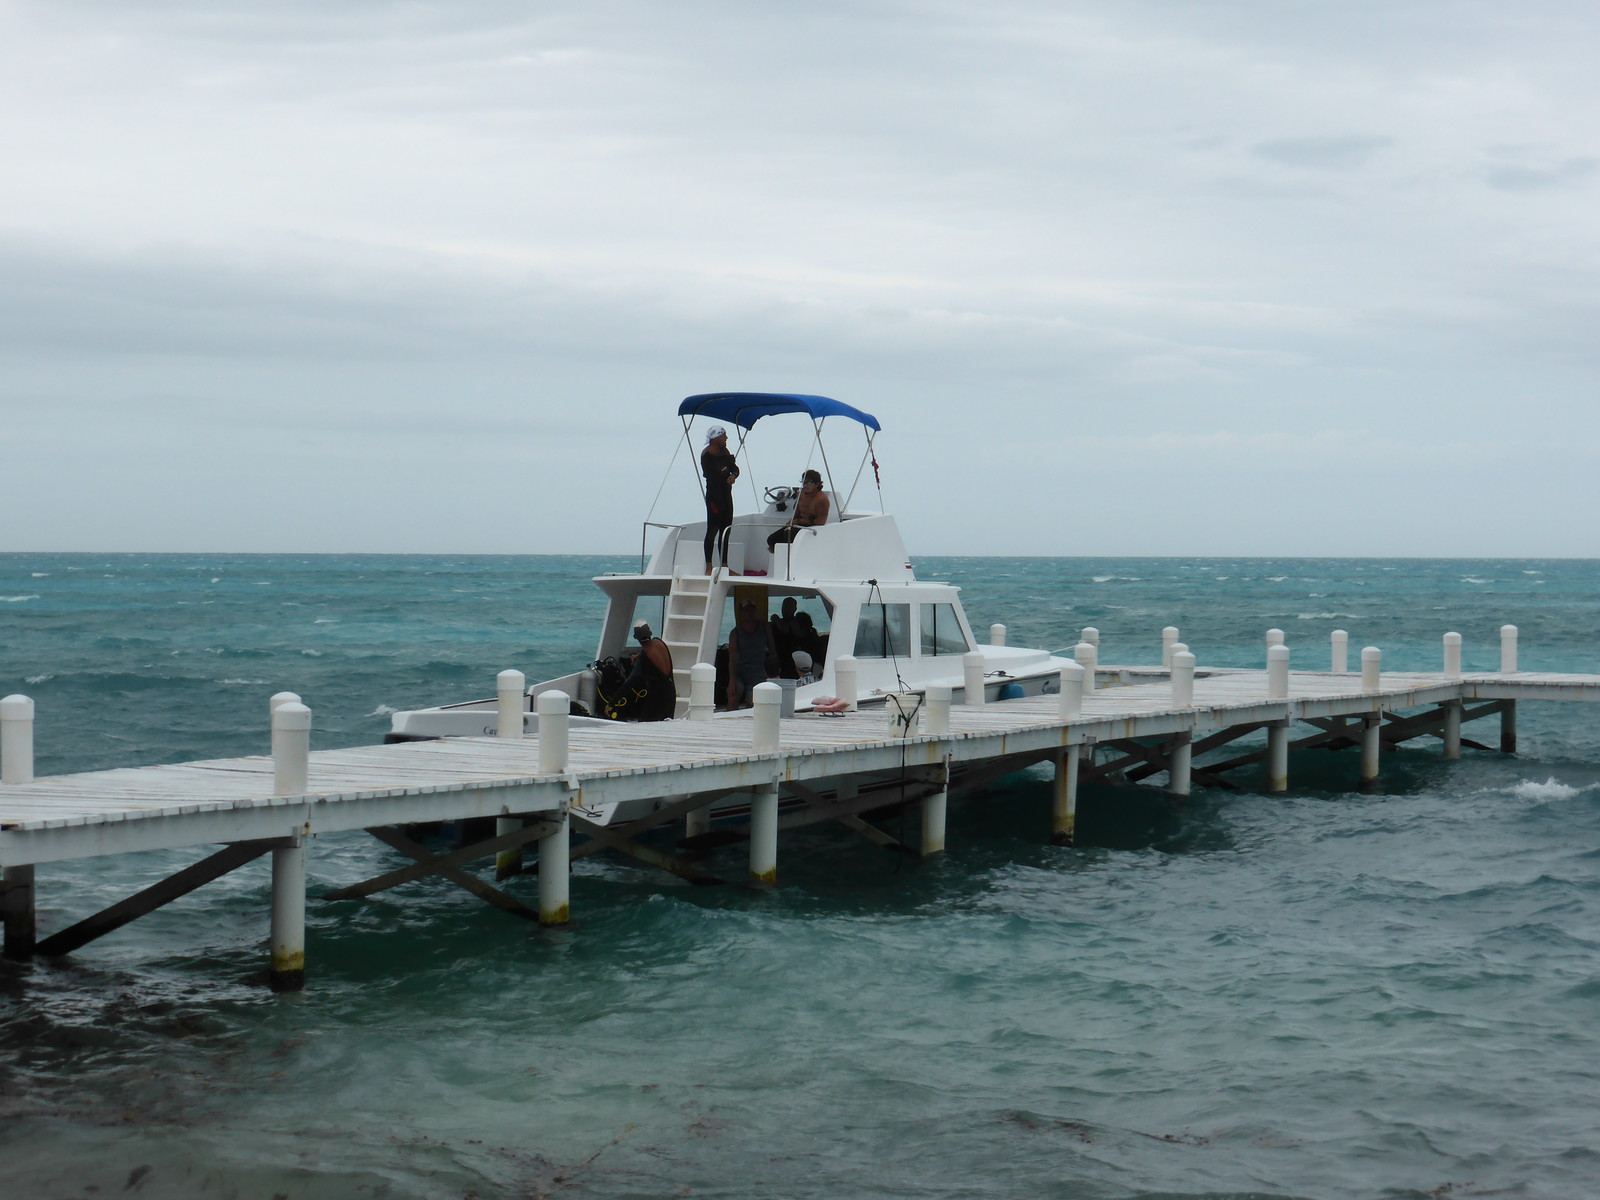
<point>766,693</point>
<point>1169,631</point>
<point>510,680</point>
<point>1082,650</point>
<point>1453,639</point>
<point>1180,648</point>
<point>1182,658</point>
<point>1339,634</point>
<point>281,698</point>
<point>16,708</point>
<point>1278,652</point>
<point>553,703</point>
<point>1508,631</point>
<point>292,717</point>
<point>703,671</point>
<point>1091,635</point>
<point>1371,652</point>
<point>1072,670</point>
<point>1275,636</point>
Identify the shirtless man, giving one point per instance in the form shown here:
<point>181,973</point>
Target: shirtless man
<point>811,509</point>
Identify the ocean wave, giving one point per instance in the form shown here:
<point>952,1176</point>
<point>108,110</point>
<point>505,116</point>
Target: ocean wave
<point>1550,789</point>
<point>251,682</point>
<point>383,710</point>
<point>1328,616</point>
<point>1474,579</point>
<point>17,599</point>
<point>41,574</point>
<point>1118,579</point>
<point>1276,578</point>
<point>38,678</point>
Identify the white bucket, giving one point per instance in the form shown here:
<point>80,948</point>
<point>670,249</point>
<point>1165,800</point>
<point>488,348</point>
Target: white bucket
<point>904,710</point>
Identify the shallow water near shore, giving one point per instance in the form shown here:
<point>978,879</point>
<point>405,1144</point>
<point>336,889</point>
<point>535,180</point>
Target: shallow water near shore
<point>1325,994</point>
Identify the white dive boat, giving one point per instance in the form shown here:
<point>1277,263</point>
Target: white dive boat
<point>850,576</point>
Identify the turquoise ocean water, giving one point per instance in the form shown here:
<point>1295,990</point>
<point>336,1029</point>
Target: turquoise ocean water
<point>1324,994</point>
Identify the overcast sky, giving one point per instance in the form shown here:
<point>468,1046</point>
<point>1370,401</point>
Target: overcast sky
<point>1117,276</point>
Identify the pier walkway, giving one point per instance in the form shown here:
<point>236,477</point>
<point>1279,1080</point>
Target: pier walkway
<point>586,787</point>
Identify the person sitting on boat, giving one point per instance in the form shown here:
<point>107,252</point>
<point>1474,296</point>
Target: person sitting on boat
<point>649,693</point>
<point>811,509</point>
<point>785,633</point>
<point>749,647</point>
<point>720,469</point>
<point>802,669</point>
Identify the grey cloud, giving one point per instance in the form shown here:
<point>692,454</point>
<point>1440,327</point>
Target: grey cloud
<point>1330,153</point>
<point>1568,172</point>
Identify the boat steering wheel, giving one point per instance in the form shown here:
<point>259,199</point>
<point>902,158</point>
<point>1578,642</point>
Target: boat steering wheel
<point>780,495</point>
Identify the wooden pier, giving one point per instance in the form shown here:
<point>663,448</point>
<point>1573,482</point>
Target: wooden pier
<point>647,791</point>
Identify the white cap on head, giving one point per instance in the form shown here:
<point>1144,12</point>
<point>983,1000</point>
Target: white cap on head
<point>802,661</point>
<point>714,433</point>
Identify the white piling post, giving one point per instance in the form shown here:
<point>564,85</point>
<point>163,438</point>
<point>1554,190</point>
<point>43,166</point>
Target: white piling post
<point>935,807</point>
<point>1087,655</point>
<point>281,698</point>
<point>555,848</point>
<point>17,908</point>
<point>936,717</point>
<point>764,833</point>
<point>509,689</point>
<point>1278,754</point>
<point>1371,668</point>
<point>1340,645</point>
<point>844,678</point>
<point>288,936</point>
<point>1452,655</point>
<point>997,634</point>
<point>1091,635</point>
<point>1452,729</point>
<point>1072,676</point>
<point>1169,638</point>
<point>291,749</point>
<point>555,712</point>
<point>1277,672</point>
<point>1064,808</point>
<point>1274,637</point>
<point>1370,743</point>
<point>1180,766</point>
<point>16,740</point>
<point>972,677</point>
<point>1182,679</point>
<point>766,702</point>
<point>702,691</point>
<point>1508,649</point>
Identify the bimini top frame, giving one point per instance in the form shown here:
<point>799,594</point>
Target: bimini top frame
<point>746,408</point>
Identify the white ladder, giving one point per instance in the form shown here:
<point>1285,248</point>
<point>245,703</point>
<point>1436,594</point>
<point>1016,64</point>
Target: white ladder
<point>686,630</point>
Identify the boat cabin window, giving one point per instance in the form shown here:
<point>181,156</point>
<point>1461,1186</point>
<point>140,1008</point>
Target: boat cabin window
<point>884,631</point>
<point>941,631</point>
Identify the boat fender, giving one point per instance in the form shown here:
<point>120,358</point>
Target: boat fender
<point>830,706</point>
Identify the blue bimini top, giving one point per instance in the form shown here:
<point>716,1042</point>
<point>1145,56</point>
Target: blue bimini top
<point>746,408</point>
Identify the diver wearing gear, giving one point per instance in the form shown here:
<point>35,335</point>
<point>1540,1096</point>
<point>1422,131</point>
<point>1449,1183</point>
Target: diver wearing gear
<point>648,694</point>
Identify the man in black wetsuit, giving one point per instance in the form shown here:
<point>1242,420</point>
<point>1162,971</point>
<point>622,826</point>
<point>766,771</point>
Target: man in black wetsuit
<point>720,470</point>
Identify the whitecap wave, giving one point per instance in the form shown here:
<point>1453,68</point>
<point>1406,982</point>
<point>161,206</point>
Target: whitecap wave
<point>41,574</point>
<point>1550,789</point>
<point>251,682</point>
<point>312,653</point>
<point>38,678</point>
<point>383,710</point>
<point>1329,616</point>
<point>1474,579</point>
<point>1118,579</point>
<point>18,599</point>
